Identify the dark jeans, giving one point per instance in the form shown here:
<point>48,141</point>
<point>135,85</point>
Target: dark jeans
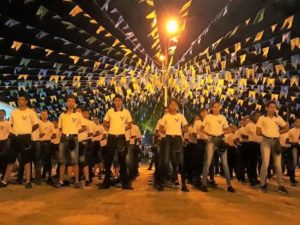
<point>252,152</point>
<point>241,161</point>
<point>4,145</point>
<point>292,156</point>
<point>173,152</point>
<point>116,145</point>
<point>43,158</point>
<point>232,159</point>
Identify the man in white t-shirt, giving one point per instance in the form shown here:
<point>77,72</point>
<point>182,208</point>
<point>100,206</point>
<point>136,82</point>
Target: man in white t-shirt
<point>270,126</point>
<point>173,125</point>
<point>5,129</point>
<point>215,126</point>
<point>24,121</point>
<point>43,157</point>
<point>292,152</point>
<point>118,120</point>
<point>70,125</point>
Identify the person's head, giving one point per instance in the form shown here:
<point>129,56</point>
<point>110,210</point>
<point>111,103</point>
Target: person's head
<point>79,110</point>
<point>96,120</point>
<point>271,108</point>
<point>166,110</point>
<point>255,116</point>
<point>2,114</point>
<point>44,115</point>
<point>71,102</point>
<point>118,101</point>
<point>246,120</point>
<point>203,113</point>
<point>55,123</point>
<point>233,128</point>
<point>22,101</point>
<point>173,106</point>
<point>86,114</point>
<point>215,108</point>
<point>297,123</point>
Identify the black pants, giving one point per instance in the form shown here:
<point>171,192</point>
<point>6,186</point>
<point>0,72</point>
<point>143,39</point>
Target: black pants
<point>241,161</point>
<point>44,159</point>
<point>4,144</point>
<point>173,152</point>
<point>252,151</point>
<point>116,145</point>
<point>232,158</point>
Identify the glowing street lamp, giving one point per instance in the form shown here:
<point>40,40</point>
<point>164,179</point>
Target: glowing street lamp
<point>172,26</point>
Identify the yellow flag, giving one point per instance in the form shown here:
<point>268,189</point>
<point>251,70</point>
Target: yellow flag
<point>151,15</point>
<point>288,23</point>
<point>100,29</point>
<point>273,27</point>
<point>295,42</point>
<point>75,58</point>
<point>116,42</point>
<point>237,47</point>
<point>242,58</point>
<point>16,45</point>
<point>75,11</point>
<point>265,51</point>
<point>185,6</point>
<point>259,35</point>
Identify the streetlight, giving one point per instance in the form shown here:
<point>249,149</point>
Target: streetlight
<point>172,29</point>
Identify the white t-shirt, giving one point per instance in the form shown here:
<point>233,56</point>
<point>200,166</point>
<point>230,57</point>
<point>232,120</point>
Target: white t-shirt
<point>242,131</point>
<point>251,132</point>
<point>98,128</point>
<point>57,133</point>
<point>117,121</point>
<point>135,134</point>
<point>5,129</point>
<point>270,126</point>
<point>229,139</point>
<point>191,135</point>
<point>174,123</point>
<point>46,128</point>
<point>70,123</point>
<point>294,135</point>
<point>282,140</point>
<point>104,134</point>
<point>197,129</point>
<point>83,136</point>
<point>22,121</point>
<point>214,124</point>
<point>161,135</point>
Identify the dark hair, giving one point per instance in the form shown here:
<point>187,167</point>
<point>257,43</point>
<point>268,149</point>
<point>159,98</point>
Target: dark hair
<point>213,103</point>
<point>118,96</point>
<point>23,96</point>
<point>271,102</point>
<point>2,110</point>
<point>174,100</point>
<point>202,110</point>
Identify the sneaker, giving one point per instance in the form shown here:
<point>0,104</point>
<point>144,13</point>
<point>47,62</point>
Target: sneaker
<point>230,189</point>
<point>282,190</point>
<point>160,187</point>
<point>127,187</point>
<point>28,185</point>
<point>104,186</point>
<point>212,183</point>
<point>88,183</point>
<point>176,182</point>
<point>3,184</point>
<point>58,185</point>
<point>204,188</point>
<point>263,188</point>
<point>37,182</point>
<point>77,185</point>
<point>184,188</point>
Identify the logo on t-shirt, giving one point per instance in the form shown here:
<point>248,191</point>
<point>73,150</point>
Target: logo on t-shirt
<point>74,120</point>
<point>1,127</point>
<point>24,117</point>
<point>176,120</point>
<point>122,117</point>
<point>220,121</point>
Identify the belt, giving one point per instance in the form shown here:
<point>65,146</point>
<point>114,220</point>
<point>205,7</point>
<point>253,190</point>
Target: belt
<point>272,138</point>
<point>213,136</point>
<point>70,135</point>
<point>173,136</point>
<point>118,135</point>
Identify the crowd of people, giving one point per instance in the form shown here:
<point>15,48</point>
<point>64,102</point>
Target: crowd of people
<point>253,151</point>
<point>78,147</point>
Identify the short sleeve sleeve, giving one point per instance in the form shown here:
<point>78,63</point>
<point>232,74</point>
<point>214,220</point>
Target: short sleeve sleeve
<point>259,122</point>
<point>225,122</point>
<point>34,118</point>
<point>128,116</point>
<point>183,120</point>
<point>281,122</point>
<point>107,116</point>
